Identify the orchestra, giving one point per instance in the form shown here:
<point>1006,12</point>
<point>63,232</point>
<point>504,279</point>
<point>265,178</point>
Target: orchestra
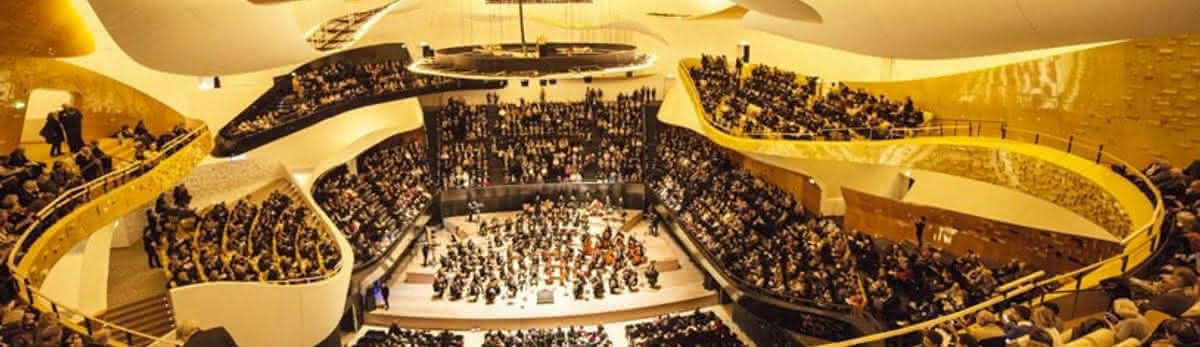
<point>548,244</point>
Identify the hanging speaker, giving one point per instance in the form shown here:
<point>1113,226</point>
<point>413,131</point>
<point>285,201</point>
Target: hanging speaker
<point>587,79</point>
<point>553,82</point>
<point>542,83</point>
<point>426,50</point>
<point>628,74</point>
<point>524,83</point>
<point>216,82</point>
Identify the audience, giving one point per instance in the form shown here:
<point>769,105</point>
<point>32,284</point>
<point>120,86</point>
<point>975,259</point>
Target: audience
<point>389,188</point>
<point>534,142</point>
<point>573,336</point>
<point>761,237</point>
<point>696,329</point>
<point>772,101</point>
<point>398,337</point>
<point>325,86</point>
<point>277,239</point>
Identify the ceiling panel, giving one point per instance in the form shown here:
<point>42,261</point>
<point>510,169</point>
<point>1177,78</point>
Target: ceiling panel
<point>938,29</point>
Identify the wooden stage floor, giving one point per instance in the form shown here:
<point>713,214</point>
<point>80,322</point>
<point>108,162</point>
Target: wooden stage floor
<point>413,305</point>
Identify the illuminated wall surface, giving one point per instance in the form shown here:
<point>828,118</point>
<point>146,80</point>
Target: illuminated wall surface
<point>106,103</point>
<point>1138,97</point>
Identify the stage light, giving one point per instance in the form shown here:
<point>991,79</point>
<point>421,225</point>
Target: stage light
<point>524,83</point>
<point>20,104</point>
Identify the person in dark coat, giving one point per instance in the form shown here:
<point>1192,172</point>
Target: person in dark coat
<point>52,131</point>
<point>72,124</point>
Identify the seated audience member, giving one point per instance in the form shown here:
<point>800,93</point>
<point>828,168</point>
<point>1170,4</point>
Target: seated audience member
<point>986,327</point>
<point>1173,293</point>
<point>696,329</point>
<point>1178,332</point>
<point>390,189</point>
<point>277,239</point>
<point>1131,323</point>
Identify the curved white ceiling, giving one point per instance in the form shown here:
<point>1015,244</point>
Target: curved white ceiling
<point>789,9</point>
<point>937,29</point>
<point>205,37</point>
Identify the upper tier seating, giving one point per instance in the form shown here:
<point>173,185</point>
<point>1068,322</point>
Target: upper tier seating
<point>543,141</point>
<point>390,188</point>
<point>328,85</point>
<point>277,239</point>
<point>772,101</point>
<point>756,232</point>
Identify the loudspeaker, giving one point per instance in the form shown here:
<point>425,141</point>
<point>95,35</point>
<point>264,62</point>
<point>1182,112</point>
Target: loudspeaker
<point>426,50</point>
<point>216,82</point>
<point>628,74</point>
<point>553,82</point>
<point>587,79</point>
<point>524,83</point>
<point>745,48</point>
<point>542,83</point>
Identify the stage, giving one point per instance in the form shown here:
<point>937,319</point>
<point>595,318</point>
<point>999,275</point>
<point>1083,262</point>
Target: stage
<point>413,305</point>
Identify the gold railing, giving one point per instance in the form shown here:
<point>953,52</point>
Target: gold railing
<point>1139,244</point>
<point>77,213</point>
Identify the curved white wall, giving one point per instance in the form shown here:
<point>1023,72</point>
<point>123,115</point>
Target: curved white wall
<point>259,314</point>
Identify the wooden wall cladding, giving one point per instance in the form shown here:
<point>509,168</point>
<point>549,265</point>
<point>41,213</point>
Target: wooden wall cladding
<point>1139,98</point>
<point>107,104</point>
<point>801,186</point>
<point>995,241</point>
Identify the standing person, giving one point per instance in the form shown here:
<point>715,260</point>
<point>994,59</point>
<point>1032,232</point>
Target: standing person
<point>919,227</point>
<point>425,254</point>
<point>386,293</point>
<point>53,133</point>
<point>72,124</point>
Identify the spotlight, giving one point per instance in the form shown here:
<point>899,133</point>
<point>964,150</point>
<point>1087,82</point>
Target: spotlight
<point>628,74</point>
<point>524,83</point>
<point>553,82</point>
<point>20,104</point>
<point>587,79</point>
<point>542,83</point>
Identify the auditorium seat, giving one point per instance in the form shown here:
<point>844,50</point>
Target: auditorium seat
<point>1098,338</point>
<point>1130,342</point>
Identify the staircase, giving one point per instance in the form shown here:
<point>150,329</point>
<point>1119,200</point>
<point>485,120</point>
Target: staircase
<point>151,316</point>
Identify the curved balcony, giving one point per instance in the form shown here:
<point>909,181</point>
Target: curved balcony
<point>300,310</point>
<point>81,211</point>
<point>230,142</point>
<point>1131,208</point>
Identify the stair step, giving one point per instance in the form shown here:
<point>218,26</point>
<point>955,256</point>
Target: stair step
<point>133,306</point>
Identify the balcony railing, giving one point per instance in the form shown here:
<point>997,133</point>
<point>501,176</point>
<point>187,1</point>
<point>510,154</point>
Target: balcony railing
<point>37,250</point>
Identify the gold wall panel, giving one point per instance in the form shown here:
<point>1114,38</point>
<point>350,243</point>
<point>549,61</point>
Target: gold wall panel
<point>1138,98</point>
<point>958,232</point>
<point>106,103</point>
<point>43,28</point>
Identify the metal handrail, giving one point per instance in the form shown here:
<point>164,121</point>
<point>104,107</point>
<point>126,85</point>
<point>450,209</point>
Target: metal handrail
<point>101,184</point>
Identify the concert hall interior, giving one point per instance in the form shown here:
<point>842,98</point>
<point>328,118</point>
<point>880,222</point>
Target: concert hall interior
<point>384,173</point>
